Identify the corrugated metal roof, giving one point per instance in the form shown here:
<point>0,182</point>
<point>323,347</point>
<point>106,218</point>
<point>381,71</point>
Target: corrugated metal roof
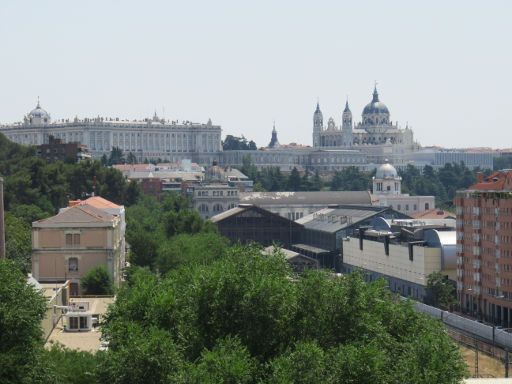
<point>228,213</point>
<point>320,198</point>
<point>334,219</point>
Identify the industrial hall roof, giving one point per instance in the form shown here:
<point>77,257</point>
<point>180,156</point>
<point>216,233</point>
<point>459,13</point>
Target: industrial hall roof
<point>337,218</point>
<point>245,208</point>
<point>306,198</point>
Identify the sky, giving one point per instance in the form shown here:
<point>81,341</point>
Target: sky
<point>442,67</point>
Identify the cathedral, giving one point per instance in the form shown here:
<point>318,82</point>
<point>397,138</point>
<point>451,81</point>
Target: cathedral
<point>375,129</point>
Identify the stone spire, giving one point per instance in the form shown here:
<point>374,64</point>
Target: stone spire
<point>274,143</point>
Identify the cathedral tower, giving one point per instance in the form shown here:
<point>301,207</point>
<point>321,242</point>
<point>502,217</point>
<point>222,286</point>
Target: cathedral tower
<point>346,127</point>
<point>318,122</point>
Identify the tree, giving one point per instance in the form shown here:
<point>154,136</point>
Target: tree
<point>294,180</point>
<point>246,309</point>
<point>71,366</point>
<point>147,356</point>
<point>21,312</point>
<point>131,158</point>
<point>187,249</point>
<point>97,281</point>
<point>18,242</point>
<point>228,362</point>
<point>317,182</point>
<point>441,290</point>
<point>237,143</point>
<point>350,179</point>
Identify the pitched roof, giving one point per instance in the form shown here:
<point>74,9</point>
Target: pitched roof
<point>334,219</point>
<point>434,214</point>
<point>257,211</point>
<point>499,180</point>
<point>311,198</point>
<point>98,202</point>
<point>79,215</point>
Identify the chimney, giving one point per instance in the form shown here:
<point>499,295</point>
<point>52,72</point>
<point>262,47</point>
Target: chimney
<point>479,177</point>
<point>2,223</point>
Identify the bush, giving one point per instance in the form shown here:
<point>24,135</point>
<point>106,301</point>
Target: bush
<point>97,281</point>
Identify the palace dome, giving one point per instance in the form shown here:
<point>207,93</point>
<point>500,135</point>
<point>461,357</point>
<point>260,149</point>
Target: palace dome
<point>38,113</point>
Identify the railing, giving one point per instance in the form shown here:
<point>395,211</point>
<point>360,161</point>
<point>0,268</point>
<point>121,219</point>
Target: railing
<point>479,331</point>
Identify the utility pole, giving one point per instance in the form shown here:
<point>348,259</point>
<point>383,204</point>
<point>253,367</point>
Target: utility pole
<point>506,362</point>
<point>2,222</point>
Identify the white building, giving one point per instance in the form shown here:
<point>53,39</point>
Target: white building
<point>153,138</point>
<point>376,136</point>
<point>387,192</point>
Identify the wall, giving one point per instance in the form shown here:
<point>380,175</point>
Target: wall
<point>397,263</point>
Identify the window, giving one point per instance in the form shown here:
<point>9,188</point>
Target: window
<point>73,323</point>
<point>73,264</point>
<point>72,239</point>
<point>83,322</point>
<point>427,206</point>
<point>399,207</point>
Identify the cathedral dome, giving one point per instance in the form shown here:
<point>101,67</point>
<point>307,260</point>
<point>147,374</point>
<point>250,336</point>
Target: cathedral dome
<point>386,171</point>
<point>375,106</point>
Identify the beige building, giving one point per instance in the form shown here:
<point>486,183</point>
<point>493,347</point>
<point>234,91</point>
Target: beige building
<point>67,245</point>
<point>404,254</point>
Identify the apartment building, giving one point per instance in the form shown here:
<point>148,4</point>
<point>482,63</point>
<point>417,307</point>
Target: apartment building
<point>484,248</point>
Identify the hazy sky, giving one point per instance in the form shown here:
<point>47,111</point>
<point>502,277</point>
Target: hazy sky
<point>443,66</point>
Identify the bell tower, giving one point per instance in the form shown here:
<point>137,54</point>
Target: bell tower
<point>318,122</point>
<point>346,127</point>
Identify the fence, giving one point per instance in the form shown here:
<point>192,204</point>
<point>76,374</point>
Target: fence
<point>479,331</point>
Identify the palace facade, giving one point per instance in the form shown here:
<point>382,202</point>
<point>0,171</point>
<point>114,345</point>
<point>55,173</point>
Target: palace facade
<point>153,138</point>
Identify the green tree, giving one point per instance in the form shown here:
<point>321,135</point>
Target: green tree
<point>228,362</point>
<point>18,242</point>
<point>131,158</point>
<point>306,363</point>
<point>317,182</point>
<point>294,181</point>
<point>116,156</point>
<point>201,248</point>
<point>441,290</point>
<point>97,281</point>
<point>237,143</point>
<point>21,312</point>
<point>71,366</point>
<point>147,356</point>
<point>350,179</point>
<point>312,328</point>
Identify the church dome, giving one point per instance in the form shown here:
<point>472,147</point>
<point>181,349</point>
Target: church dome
<point>386,171</point>
<point>375,106</point>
